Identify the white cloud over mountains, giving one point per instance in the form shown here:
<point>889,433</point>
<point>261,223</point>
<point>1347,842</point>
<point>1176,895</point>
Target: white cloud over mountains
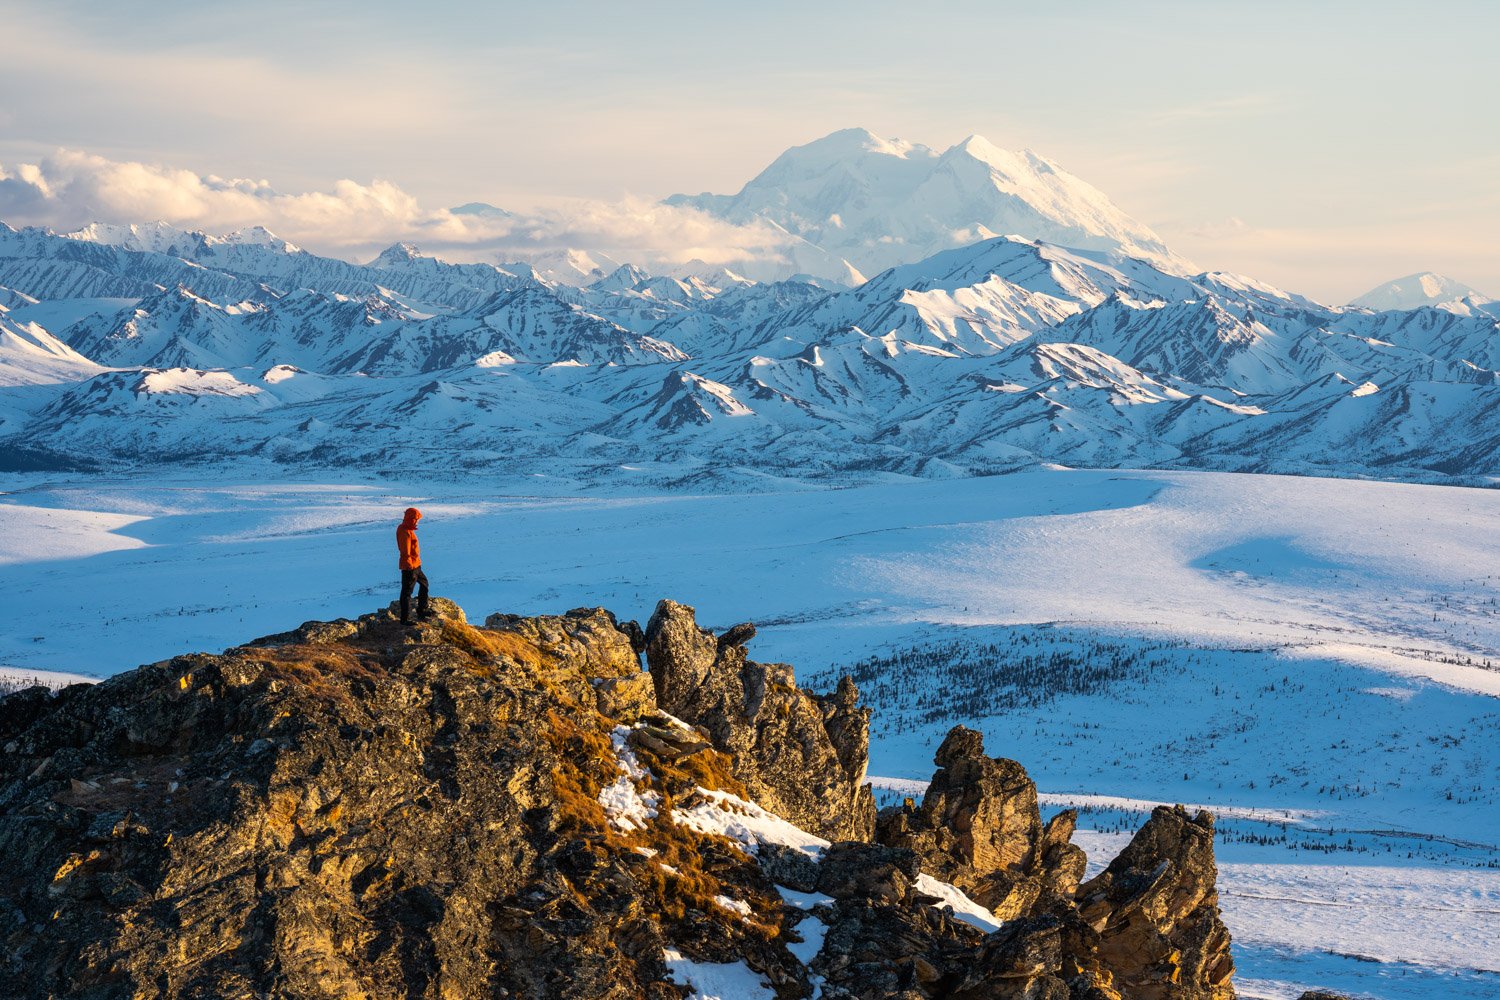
<point>354,220</point>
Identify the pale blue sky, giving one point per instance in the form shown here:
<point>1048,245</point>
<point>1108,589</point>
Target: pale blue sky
<point>1322,147</point>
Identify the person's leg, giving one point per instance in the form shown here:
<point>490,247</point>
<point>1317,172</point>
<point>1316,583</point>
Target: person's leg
<point>421,593</point>
<point>408,577</point>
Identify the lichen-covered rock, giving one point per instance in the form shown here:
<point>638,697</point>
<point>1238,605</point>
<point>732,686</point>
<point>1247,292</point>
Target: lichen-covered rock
<point>1156,911</point>
<point>787,866</point>
<point>855,870</point>
<point>1020,960</point>
<point>1063,862</point>
<point>1147,928</point>
<point>590,641</point>
<point>874,952</point>
<point>626,699</point>
<point>801,756</point>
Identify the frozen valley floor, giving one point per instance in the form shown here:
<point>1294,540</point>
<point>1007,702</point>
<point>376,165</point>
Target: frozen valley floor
<point>1312,659</point>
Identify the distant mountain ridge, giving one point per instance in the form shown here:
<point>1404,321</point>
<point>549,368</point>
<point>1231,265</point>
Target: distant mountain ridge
<point>978,359</point>
<point>846,206</point>
<point>1428,289</point>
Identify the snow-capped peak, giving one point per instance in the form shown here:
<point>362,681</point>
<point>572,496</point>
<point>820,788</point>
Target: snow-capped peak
<point>877,203</point>
<point>623,277</point>
<point>397,254</point>
<point>981,148</point>
<point>156,237</point>
<point>163,237</point>
<point>858,140</point>
<point>1422,289</point>
<point>572,267</point>
<point>481,210</point>
<point>259,236</point>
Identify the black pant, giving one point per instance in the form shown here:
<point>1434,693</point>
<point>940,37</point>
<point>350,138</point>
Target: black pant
<point>409,578</point>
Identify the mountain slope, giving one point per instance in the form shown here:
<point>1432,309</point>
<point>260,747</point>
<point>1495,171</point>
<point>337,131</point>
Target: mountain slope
<point>29,355</point>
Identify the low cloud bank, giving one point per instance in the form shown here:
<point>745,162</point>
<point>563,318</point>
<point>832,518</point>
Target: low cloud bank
<point>355,221</point>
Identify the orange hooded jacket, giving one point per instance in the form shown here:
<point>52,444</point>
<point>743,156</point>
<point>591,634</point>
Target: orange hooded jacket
<point>406,540</point>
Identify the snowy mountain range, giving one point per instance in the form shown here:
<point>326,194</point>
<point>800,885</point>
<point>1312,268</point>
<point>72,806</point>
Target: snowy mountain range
<point>142,344</point>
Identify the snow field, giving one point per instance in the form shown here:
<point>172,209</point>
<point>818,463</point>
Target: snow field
<point>627,806</point>
<point>718,981</point>
<point>38,534</point>
<point>724,814</point>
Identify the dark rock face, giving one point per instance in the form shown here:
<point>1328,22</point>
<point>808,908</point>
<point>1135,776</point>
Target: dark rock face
<point>359,809</point>
<point>800,755</point>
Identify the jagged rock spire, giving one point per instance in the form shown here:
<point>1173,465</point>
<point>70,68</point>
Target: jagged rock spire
<point>801,755</point>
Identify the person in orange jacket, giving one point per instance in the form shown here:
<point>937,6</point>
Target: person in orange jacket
<point>411,566</point>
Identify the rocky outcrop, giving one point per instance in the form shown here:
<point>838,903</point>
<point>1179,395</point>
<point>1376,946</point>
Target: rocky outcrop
<point>351,809</point>
<point>800,755</point>
<point>360,809</point>
<point>1148,927</point>
<point>1156,911</point>
<point>590,641</point>
<point>979,827</point>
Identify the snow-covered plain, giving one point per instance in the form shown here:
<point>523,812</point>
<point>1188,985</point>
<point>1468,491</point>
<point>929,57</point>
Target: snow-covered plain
<point>1312,659</point>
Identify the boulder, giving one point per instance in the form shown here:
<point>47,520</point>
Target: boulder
<point>1063,863</point>
<point>738,635</point>
<point>590,641</point>
<point>1156,912</point>
<point>626,699</point>
<point>1021,959</point>
<point>856,870</point>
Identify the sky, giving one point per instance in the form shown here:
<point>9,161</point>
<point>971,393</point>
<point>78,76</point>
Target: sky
<point>1323,147</point>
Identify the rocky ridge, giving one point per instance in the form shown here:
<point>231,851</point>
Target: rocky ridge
<point>357,809</point>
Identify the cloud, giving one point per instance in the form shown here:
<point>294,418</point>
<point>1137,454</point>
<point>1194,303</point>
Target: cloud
<point>1224,229</point>
<point>71,188</point>
<point>354,220</point>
